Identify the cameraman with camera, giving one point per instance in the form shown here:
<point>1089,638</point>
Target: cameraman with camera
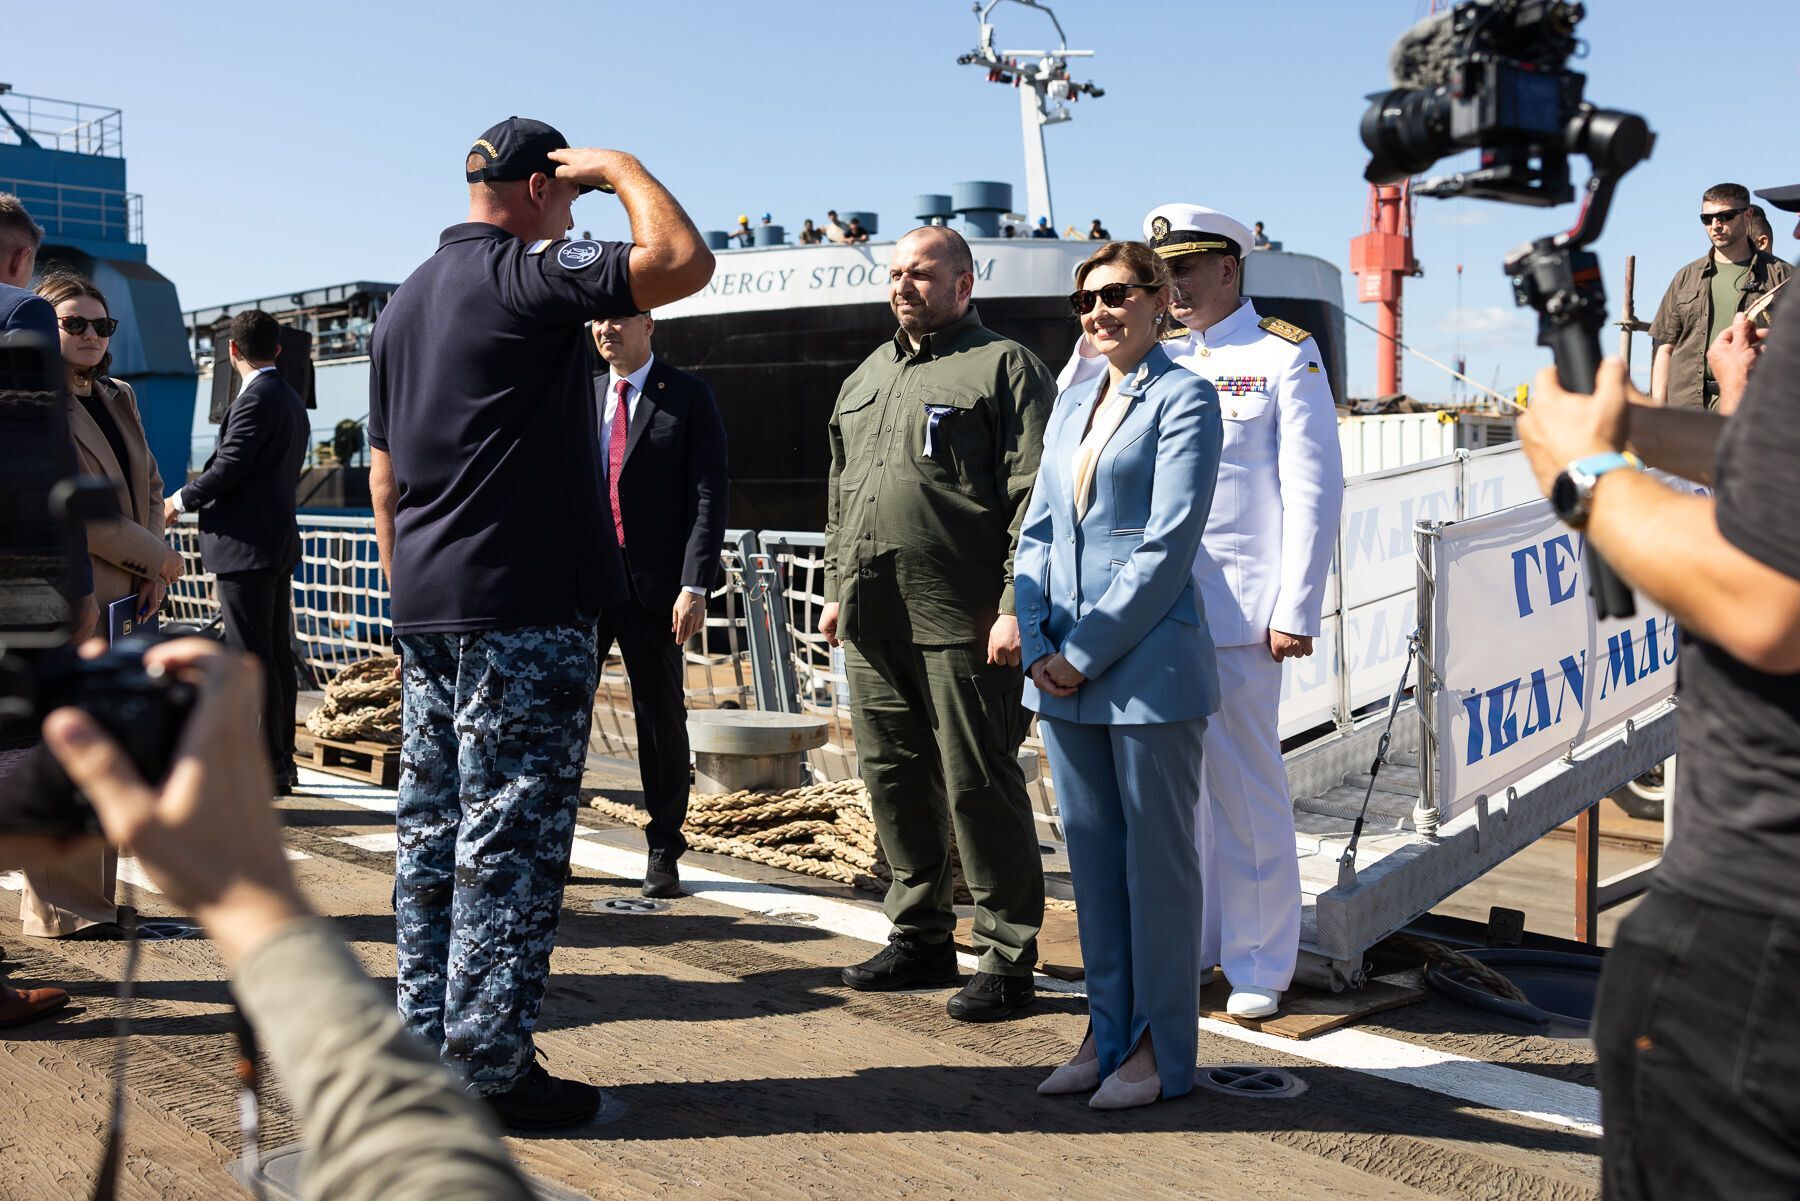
<point>383,1118</point>
<point>1694,1032</point>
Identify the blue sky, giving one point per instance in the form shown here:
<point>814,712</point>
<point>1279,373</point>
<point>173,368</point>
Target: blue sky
<point>280,148</point>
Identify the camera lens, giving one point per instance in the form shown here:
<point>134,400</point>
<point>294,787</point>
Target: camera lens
<point>1406,131</point>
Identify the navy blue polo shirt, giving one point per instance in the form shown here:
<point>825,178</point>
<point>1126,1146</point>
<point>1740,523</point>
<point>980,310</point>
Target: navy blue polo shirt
<point>478,392</point>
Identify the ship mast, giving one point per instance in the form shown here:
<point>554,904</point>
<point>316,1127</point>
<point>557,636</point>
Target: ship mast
<point>1045,93</point>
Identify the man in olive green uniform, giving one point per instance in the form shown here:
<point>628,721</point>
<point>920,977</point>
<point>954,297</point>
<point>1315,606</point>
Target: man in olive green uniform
<point>934,448</point>
<point>1705,296</point>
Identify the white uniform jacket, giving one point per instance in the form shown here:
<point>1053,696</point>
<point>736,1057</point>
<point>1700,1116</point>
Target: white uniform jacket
<point>1273,529</point>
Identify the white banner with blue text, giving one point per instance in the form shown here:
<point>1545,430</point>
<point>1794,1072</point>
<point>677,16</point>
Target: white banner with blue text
<point>1527,672</point>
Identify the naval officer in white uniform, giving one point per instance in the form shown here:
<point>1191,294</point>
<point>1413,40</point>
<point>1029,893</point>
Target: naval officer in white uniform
<point>1262,569</point>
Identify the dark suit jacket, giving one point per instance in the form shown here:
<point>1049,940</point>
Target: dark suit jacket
<point>672,487</point>
<point>245,497</point>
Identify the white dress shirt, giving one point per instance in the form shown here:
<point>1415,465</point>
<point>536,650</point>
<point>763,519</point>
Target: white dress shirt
<point>634,389</point>
<point>175,501</point>
<point>611,407</point>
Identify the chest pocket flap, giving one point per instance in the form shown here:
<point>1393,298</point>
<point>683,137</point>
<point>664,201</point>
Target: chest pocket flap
<point>950,443</point>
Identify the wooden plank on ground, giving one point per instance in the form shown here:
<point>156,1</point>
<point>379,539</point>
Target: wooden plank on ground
<point>1306,1012</point>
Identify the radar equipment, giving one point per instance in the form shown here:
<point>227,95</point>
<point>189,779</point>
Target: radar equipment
<point>1045,93</point>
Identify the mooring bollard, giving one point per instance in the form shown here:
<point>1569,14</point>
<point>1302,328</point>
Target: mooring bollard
<point>735,749</point>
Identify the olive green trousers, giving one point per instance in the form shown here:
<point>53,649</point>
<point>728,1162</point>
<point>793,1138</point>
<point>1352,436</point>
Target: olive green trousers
<point>937,737</point>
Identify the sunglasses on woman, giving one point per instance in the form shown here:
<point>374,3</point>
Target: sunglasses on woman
<point>103,326</point>
<point>1112,296</point>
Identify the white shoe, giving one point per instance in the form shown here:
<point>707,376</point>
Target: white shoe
<point>1071,1078</point>
<point>1249,1002</point>
<point>1118,1093</point>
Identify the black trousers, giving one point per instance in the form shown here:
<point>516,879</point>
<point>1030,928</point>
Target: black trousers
<point>659,707</point>
<point>1697,1042</point>
<point>259,621</point>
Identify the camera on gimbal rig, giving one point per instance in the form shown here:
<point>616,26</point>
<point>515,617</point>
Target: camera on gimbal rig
<point>1493,76</point>
<point>41,503</point>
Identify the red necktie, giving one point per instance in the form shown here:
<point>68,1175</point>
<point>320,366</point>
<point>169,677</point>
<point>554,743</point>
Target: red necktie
<point>615,457</point>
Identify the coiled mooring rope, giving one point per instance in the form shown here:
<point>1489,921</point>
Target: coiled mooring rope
<point>361,705</point>
<point>821,830</point>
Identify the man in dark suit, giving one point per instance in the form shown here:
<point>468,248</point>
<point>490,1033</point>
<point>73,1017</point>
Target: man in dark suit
<point>662,457</point>
<point>248,536</point>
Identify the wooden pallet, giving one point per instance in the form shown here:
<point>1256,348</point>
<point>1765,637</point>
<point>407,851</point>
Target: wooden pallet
<point>371,762</point>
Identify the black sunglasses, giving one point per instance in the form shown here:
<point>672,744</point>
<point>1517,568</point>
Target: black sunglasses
<point>1725,215</point>
<point>1112,296</point>
<point>103,326</point>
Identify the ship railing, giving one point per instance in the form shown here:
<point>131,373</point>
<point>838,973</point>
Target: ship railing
<point>66,125</point>
<point>74,211</point>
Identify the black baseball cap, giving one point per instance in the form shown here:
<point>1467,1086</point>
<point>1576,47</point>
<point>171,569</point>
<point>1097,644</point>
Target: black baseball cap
<point>1786,199</point>
<point>517,148</point>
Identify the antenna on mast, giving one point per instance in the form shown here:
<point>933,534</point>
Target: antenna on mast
<point>1045,93</point>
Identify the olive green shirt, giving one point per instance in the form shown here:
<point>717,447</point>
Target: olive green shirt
<point>1684,320</point>
<point>933,455</point>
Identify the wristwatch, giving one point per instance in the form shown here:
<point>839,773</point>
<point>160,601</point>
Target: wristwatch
<point>1573,492</point>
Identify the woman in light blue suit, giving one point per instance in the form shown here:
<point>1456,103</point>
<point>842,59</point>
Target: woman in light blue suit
<point>1122,674</point>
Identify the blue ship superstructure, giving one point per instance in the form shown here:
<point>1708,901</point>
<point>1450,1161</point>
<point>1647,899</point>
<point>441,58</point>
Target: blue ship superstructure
<point>65,160</point>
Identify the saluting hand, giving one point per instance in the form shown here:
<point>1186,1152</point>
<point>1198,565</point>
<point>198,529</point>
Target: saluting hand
<point>592,167</point>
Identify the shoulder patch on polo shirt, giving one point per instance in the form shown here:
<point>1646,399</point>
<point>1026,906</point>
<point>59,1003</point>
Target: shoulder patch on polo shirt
<point>1284,329</point>
<point>573,256</point>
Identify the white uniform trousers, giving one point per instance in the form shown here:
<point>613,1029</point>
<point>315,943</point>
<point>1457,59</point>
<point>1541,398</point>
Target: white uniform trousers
<point>1249,871</point>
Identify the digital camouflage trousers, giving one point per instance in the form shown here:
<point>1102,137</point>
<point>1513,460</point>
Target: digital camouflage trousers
<point>495,738</point>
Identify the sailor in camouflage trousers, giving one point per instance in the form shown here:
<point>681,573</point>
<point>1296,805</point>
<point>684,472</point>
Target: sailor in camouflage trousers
<point>496,735</point>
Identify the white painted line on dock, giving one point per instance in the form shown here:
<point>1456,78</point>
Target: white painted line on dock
<point>1487,1085</point>
<point>379,843</point>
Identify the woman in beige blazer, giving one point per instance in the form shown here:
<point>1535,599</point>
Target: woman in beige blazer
<point>129,555</point>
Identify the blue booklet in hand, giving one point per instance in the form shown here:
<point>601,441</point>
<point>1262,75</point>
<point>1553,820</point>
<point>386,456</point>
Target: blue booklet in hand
<point>122,620</point>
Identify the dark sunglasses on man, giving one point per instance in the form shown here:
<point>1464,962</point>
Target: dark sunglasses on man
<point>103,326</point>
<point>1725,215</point>
<point>1112,296</point>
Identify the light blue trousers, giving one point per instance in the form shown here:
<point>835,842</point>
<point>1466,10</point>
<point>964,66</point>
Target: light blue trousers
<point>1126,794</point>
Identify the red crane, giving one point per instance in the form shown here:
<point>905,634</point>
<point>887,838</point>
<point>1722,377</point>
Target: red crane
<point>1382,257</point>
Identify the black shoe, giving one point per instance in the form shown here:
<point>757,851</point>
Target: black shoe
<point>987,997</point>
<point>661,879</point>
<point>906,962</point>
<point>287,783</point>
<point>540,1101</point>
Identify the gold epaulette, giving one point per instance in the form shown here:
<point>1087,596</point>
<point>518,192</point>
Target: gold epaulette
<point>1175,332</point>
<point>1284,329</point>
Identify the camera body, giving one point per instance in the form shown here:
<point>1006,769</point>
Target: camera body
<point>1490,75</point>
<point>41,507</point>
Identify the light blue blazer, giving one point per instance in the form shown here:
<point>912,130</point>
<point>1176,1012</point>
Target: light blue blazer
<point>1115,592</point>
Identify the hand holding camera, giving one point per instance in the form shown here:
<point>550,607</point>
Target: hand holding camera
<point>208,837</point>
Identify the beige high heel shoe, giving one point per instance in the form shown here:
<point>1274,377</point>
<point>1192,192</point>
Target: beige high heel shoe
<point>1071,1078</point>
<point>1116,1092</point>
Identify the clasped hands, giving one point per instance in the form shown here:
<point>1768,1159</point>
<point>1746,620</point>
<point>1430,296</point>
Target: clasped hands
<point>1055,675</point>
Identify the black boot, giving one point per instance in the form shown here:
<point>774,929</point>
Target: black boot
<point>987,997</point>
<point>661,879</point>
<point>906,962</point>
<point>540,1101</point>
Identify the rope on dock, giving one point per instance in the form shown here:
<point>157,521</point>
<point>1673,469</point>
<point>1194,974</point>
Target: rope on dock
<point>1477,971</point>
<point>821,830</point>
<point>361,705</point>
